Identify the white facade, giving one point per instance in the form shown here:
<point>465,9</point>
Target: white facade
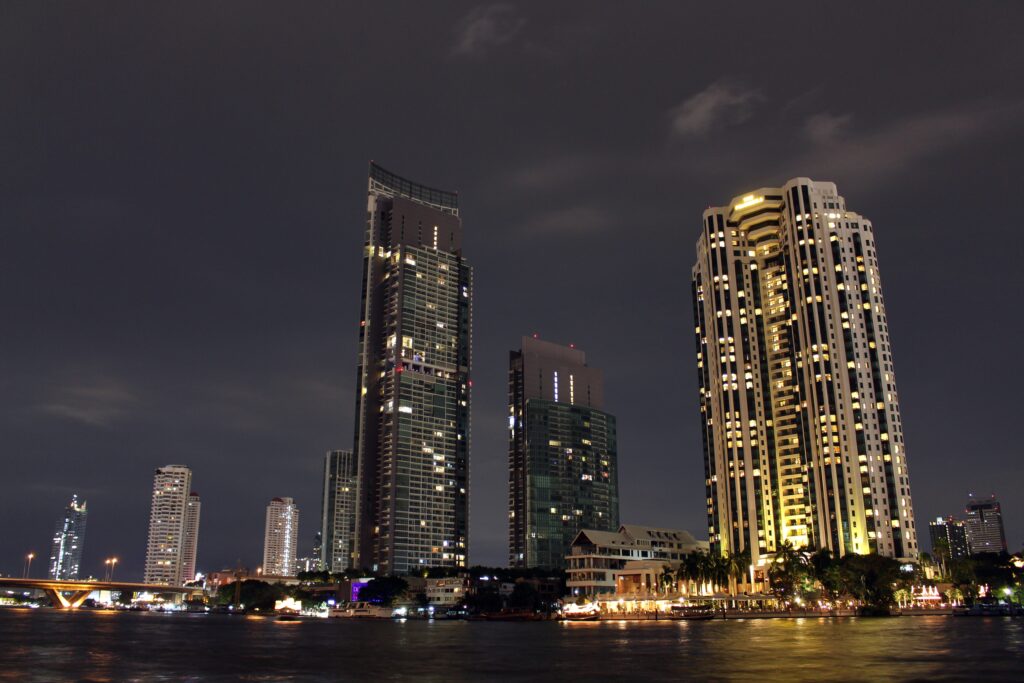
<point>803,438</point>
<point>596,557</point>
<point>167,526</point>
<point>281,538</point>
<point>446,591</point>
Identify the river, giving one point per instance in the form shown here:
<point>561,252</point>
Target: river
<point>48,645</point>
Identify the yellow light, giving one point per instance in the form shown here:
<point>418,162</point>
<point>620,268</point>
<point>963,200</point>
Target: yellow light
<point>749,200</point>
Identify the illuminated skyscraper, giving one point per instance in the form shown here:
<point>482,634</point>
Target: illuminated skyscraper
<point>190,538</point>
<point>413,385</point>
<point>563,457</point>
<point>985,532</point>
<point>68,541</point>
<point>338,511</point>
<point>281,538</point>
<point>165,550</point>
<point>949,538</point>
<point>802,435</point>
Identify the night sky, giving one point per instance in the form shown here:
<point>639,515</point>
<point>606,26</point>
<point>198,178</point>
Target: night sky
<point>182,209</point>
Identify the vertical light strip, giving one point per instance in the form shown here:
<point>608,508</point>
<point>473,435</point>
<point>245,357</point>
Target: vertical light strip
<point>572,390</point>
<point>556,387</point>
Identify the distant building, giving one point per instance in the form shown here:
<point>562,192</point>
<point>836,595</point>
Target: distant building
<point>338,511</point>
<point>985,531</point>
<point>190,539</point>
<point>165,550</point>
<point>597,557</point>
<point>318,551</point>
<point>447,591</point>
<point>280,538</point>
<point>953,534</point>
<point>563,453</point>
<point>68,541</point>
<point>800,415</point>
<point>413,388</point>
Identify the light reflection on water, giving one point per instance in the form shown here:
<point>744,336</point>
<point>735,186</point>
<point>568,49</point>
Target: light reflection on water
<point>41,645</point>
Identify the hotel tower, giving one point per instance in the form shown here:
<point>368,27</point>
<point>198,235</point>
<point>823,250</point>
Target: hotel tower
<point>803,440</point>
<point>562,451</point>
<point>413,385</point>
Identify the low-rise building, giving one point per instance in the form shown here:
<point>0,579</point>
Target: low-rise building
<point>447,591</point>
<point>596,558</point>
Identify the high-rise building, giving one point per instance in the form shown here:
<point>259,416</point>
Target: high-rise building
<point>68,541</point>
<point>951,534</point>
<point>413,384</point>
<point>338,511</point>
<point>802,435</point>
<point>562,450</point>
<point>165,551</point>
<point>190,538</point>
<point>985,531</point>
<point>281,538</point>
<point>318,551</point>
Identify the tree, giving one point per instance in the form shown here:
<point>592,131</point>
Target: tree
<point>383,590</point>
<point>737,563</point>
<point>787,572</point>
<point>666,579</point>
<point>872,579</point>
<point>254,595</point>
<point>524,597</point>
<point>940,548</point>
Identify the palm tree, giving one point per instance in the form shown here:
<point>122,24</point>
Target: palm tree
<point>688,570</point>
<point>667,578</point>
<point>737,564</point>
<point>787,571</point>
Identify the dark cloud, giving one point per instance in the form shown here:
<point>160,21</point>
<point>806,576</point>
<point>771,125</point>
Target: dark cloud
<point>182,213</point>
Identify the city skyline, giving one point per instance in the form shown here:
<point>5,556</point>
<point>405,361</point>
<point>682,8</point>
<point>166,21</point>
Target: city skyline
<point>182,280</point>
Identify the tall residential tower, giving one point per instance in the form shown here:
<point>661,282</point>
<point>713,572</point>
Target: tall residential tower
<point>68,541</point>
<point>562,451</point>
<point>190,538</point>
<point>413,385</point>
<point>800,416</point>
<point>172,527</point>
<point>338,511</point>
<point>281,538</point>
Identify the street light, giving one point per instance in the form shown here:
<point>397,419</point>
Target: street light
<point>28,565</point>
<point>113,566</point>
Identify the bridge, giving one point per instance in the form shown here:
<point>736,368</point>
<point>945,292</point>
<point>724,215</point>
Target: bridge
<point>80,590</point>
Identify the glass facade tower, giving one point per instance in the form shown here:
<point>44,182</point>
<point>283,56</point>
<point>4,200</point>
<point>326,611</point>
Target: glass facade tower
<point>413,381</point>
<point>338,511</point>
<point>985,532</point>
<point>803,440</point>
<point>563,457</point>
<point>68,541</point>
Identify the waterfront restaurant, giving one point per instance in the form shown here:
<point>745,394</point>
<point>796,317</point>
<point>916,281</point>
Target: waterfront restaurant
<point>634,573</point>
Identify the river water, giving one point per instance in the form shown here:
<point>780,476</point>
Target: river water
<point>46,645</point>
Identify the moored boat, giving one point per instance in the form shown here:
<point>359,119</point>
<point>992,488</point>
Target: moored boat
<point>361,610</point>
<point>692,612</point>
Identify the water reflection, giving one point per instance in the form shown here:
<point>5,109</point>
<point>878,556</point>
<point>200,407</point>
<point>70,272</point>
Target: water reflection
<point>41,645</point>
